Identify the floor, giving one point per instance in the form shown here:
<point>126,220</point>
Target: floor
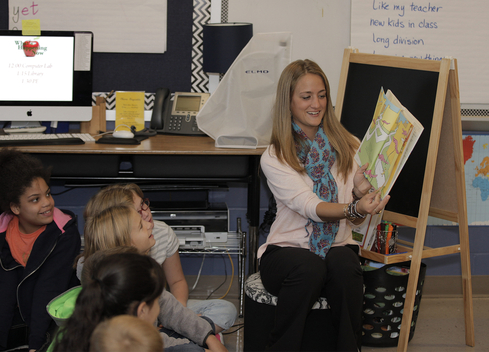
<point>440,324</point>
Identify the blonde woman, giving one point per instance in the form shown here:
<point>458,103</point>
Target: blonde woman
<point>320,192</point>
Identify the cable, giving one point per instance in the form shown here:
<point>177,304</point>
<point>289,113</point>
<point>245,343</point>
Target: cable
<point>198,275</point>
<point>225,279</point>
<point>66,190</point>
<point>238,327</point>
<point>232,275</point>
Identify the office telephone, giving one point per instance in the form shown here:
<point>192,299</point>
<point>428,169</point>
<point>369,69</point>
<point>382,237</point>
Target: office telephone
<point>177,116</point>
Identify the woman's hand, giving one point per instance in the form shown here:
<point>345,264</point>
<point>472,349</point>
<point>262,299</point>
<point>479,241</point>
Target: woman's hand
<point>371,203</point>
<point>361,186</point>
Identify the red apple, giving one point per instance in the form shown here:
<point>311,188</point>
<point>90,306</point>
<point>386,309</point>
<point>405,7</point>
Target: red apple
<point>30,48</point>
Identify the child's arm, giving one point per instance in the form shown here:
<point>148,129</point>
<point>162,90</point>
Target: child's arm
<point>175,278</point>
<point>182,320</point>
<point>214,345</point>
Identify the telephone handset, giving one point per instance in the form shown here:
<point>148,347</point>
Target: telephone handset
<point>177,117</point>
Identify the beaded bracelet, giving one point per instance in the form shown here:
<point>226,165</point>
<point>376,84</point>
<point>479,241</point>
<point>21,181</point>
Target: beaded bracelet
<point>347,214</point>
<point>354,195</point>
<point>351,213</point>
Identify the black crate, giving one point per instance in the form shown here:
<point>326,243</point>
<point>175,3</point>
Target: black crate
<point>384,304</point>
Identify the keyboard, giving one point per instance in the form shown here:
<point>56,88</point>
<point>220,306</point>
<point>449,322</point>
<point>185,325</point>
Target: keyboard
<point>33,139</point>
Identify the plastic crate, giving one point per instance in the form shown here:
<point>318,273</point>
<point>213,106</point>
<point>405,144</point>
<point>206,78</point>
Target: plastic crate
<point>385,292</point>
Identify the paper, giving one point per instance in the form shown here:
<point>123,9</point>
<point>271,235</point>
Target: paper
<point>389,141</point>
<point>129,110</point>
<point>31,27</point>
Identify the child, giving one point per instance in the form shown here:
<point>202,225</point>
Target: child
<point>184,330</point>
<point>125,333</point>
<point>165,251</point>
<point>120,283</point>
<point>38,244</point>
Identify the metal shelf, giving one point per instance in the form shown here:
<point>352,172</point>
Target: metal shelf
<point>235,245</point>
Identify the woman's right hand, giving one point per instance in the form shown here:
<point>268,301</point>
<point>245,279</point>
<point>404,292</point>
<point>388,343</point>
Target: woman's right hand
<point>371,203</point>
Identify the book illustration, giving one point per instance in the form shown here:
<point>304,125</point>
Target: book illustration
<point>388,142</point>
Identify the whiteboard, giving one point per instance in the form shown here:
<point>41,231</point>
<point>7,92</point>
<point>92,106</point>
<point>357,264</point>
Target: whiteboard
<point>321,31</point>
<point>320,28</point>
<point>429,30</point>
<point>118,25</point>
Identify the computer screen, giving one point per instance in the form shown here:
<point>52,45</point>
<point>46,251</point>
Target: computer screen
<point>46,77</point>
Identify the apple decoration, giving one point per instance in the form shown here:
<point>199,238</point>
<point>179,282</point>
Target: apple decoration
<point>30,48</point>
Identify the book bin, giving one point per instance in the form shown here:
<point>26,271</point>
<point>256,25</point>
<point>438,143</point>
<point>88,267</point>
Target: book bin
<point>385,292</point>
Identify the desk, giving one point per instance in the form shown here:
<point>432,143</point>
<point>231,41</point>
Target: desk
<point>164,159</point>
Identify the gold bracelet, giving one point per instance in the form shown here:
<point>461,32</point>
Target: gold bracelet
<point>347,214</point>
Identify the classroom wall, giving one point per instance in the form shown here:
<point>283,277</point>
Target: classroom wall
<point>173,69</point>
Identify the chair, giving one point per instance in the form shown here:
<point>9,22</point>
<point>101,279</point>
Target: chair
<point>260,305</point>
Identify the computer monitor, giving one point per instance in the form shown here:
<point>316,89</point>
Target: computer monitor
<point>46,77</point>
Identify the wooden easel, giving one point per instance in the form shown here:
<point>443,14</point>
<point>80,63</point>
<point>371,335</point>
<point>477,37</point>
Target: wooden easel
<point>443,180</point>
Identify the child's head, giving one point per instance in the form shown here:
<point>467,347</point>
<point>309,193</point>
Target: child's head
<point>120,283</point>
<point>119,194</point>
<point>126,333</point>
<point>24,190</point>
<point>116,226</point>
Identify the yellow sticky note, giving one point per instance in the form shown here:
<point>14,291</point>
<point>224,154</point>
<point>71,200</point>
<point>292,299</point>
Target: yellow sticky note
<point>31,27</point>
<point>129,110</point>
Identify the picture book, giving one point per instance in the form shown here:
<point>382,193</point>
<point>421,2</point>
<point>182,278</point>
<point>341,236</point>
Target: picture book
<point>388,142</point>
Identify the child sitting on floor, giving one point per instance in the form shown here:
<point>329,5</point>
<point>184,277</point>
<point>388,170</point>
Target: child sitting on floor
<point>38,244</point>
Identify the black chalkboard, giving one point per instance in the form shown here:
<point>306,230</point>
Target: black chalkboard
<point>416,90</point>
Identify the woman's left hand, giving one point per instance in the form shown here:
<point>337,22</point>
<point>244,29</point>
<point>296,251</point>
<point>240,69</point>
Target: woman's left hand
<point>360,183</point>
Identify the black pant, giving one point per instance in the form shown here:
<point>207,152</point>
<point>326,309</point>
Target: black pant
<point>298,278</point>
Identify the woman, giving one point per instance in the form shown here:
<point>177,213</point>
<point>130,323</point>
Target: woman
<point>320,192</point>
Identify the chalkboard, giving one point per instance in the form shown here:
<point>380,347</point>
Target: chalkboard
<point>416,90</point>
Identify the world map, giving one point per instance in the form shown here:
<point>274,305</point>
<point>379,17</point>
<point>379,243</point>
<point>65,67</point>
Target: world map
<point>476,163</point>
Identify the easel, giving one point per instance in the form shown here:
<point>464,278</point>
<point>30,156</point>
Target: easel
<point>443,180</point>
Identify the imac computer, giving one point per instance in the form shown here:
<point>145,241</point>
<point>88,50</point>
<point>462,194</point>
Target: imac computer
<point>46,77</point>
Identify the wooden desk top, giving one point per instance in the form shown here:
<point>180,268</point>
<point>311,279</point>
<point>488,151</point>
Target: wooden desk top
<point>159,144</point>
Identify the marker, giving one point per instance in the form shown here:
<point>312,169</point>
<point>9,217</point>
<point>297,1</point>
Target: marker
<point>389,235</point>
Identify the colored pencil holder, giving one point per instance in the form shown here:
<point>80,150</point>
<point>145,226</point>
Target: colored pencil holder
<point>385,239</point>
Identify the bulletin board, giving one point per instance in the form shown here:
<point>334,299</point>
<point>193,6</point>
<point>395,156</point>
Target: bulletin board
<point>124,26</point>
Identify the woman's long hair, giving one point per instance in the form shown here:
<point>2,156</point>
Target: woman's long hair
<point>283,137</point>
<point>117,285</point>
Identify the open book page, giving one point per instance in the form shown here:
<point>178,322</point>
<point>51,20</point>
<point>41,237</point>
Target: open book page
<point>417,129</point>
<point>388,142</point>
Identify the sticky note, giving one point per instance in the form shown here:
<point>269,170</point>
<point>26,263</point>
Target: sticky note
<point>31,27</point>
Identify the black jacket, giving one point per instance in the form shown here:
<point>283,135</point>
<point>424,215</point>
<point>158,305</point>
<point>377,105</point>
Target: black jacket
<point>48,273</point>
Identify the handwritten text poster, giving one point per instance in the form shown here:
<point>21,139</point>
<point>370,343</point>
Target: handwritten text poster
<point>429,30</point>
<point>118,25</point>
